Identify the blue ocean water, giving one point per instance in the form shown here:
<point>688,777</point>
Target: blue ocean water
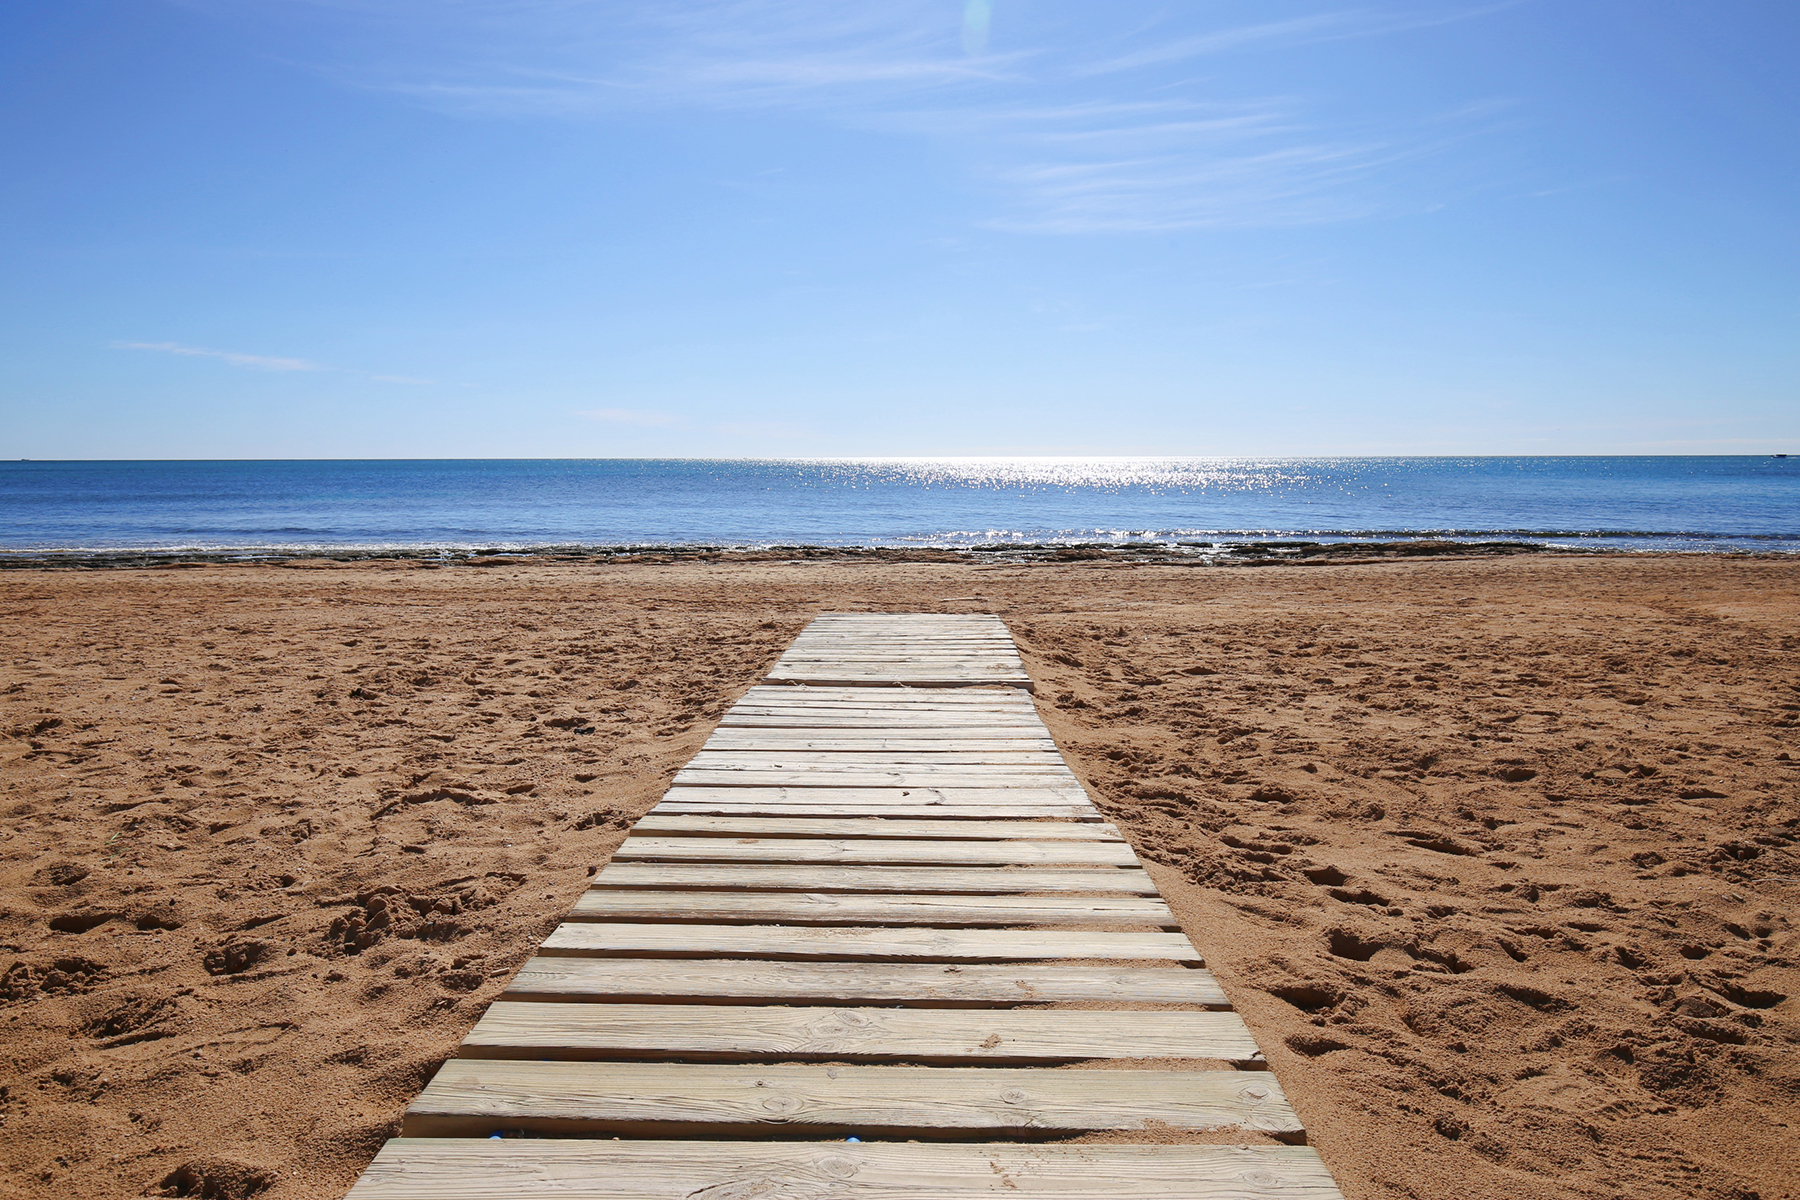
<point>1685,503</point>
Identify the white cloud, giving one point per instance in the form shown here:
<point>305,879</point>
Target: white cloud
<point>634,416</point>
<point>1220,41</point>
<point>257,362</point>
<point>1088,134</point>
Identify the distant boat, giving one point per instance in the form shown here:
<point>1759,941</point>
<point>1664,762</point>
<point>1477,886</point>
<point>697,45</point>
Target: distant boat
<point>1781,456</point>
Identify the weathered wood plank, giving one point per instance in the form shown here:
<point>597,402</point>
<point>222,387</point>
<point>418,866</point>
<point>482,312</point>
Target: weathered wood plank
<point>1042,794</point>
<point>751,808</point>
<point>914,675</point>
<point>873,851</point>
<point>859,723</point>
<point>725,1033</point>
<point>891,697</point>
<point>1000,761</point>
<point>838,908</point>
<point>1024,762</point>
<point>958,660</point>
<point>913,678</point>
<point>914,777</point>
<point>988,729</point>
<point>471,1097</point>
<point>915,985</point>
<point>727,740</point>
<point>536,1169</point>
<point>919,647</point>
<point>857,942</point>
<point>874,827</point>
<point>893,693</point>
<point>823,878</point>
<point>887,708</point>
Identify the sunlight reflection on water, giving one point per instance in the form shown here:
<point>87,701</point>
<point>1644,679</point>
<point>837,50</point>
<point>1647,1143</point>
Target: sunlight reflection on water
<point>1663,502</point>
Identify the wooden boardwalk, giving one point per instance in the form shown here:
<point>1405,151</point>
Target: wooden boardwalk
<point>872,944</point>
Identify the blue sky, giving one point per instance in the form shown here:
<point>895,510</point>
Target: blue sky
<point>496,228</point>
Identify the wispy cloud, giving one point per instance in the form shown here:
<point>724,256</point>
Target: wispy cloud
<point>643,418</point>
<point>264,362</point>
<point>1221,40</point>
<point>255,362</point>
<point>1315,27</point>
<point>653,419</point>
<point>1104,129</point>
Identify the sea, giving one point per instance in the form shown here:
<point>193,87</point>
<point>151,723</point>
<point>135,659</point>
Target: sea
<point>1737,504</point>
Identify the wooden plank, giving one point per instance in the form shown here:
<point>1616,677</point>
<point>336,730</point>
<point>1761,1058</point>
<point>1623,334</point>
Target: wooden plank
<point>881,702</point>
<point>472,1097</point>
<point>990,728</point>
<point>948,649</point>
<point>662,825</point>
<point>916,795</point>
<point>915,985</point>
<point>837,908</point>
<point>728,740</point>
<point>985,723</point>
<point>891,694</point>
<point>1043,794</point>
<point>910,672</point>
<point>1012,762</point>
<point>948,1036</point>
<point>949,659</point>
<point>819,878</point>
<point>949,762</point>
<point>837,772</point>
<point>916,777</point>
<point>920,647</point>
<point>537,1169</point>
<point>749,807</point>
<point>898,851</point>
<point>857,942</point>
<point>902,699</point>
<point>914,678</point>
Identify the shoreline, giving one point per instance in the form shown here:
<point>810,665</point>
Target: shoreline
<point>1215,553</point>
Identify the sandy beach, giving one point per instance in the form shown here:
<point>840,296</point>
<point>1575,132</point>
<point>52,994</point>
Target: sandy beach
<point>1497,856</point>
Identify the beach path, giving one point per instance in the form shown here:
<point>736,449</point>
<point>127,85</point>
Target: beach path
<point>875,942</point>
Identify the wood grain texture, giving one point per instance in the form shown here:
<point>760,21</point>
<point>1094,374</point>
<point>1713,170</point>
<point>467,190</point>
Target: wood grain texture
<point>737,1033</point>
<point>787,741</point>
<point>530,1169</point>
<point>922,851</point>
<point>751,808</point>
<point>877,795</point>
<point>969,704</point>
<point>1046,831</point>
<point>818,878</point>
<point>991,727</point>
<point>857,942</point>
<point>863,777</point>
<point>963,985</point>
<point>1009,762</point>
<point>472,1097</point>
<point>838,908</point>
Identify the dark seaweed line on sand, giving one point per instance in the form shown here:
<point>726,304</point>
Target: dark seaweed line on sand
<point>1193,554</point>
